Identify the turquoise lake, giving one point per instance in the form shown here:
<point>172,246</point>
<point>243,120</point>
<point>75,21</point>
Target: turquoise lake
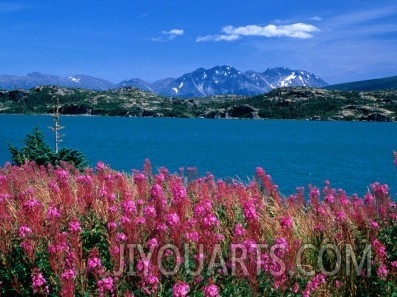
<point>351,155</point>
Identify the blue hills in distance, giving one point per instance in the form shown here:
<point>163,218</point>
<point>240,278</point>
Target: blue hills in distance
<point>218,80</point>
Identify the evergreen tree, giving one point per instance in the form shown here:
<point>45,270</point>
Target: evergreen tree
<point>37,150</point>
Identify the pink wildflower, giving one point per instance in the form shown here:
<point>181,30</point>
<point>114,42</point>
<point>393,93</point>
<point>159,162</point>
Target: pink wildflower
<point>286,222</point>
<point>314,284</point>
<point>84,179</point>
<point>31,204</point>
<point>52,213</point>
<point>379,248</point>
<point>211,291</point>
<point>129,207</point>
<point>219,237</point>
<point>121,237</point>
<point>393,265</point>
<point>74,227</point>
<point>161,227</point>
<point>340,216</point>
<point>112,225</point>
<point>368,198</point>
<point>149,211</point>
<point>260,172</point>
<point>314,193</point>
<point>105,285</point>
<point>329,198</point>
<point>210,220</point>
<point>199,210</point>
<point>94,263</point>
<point>38,282</point>
<point>68,274</point>
<point>193,236</point>
<point>24,231</point>
<point>382,271</point>
<point>282,242</point>
<point>138,221</point>
<point>150,284</point>
<point>152,243</point>
<point>179,193</point>
<point>139,177</point>
<point>250,211</point>
<point>100,166</point>
<point>172,219</point>
<point>143,266</point>
<point>157,193</point>
<point>374,225</point>
<point>180,289</point>
<point>239,230</point>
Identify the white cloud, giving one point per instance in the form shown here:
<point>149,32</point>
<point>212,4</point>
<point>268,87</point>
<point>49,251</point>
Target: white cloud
<point>217,38</point>
<point>173,33</point>
<point>169,35</point>
<point>297,30</point>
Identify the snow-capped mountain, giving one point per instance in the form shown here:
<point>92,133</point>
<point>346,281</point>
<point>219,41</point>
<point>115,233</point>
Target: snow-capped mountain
<point>89,82</point>
<point>284,77</point>
<point>31,80</point>
<point>221,80</point>
<point>218,80</point>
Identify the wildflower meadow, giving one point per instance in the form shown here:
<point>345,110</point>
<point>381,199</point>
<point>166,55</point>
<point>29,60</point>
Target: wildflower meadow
<point>100,232</point>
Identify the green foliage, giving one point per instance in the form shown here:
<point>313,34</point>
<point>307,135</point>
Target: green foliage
<point>71,156</point>
<point>37,150</point>
<point>19,274</point>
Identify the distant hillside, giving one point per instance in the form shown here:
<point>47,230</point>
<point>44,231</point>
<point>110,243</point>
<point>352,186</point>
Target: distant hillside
<point>281,103</point>
<point>386,83</point>
<point>35,79</point>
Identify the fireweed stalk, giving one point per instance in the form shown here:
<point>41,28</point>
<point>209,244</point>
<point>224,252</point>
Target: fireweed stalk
<point>105,233</point>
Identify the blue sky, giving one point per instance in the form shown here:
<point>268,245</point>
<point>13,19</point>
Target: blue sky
<point>337,40</point>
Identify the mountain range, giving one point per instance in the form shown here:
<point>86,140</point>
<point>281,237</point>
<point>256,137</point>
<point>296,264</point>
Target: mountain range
<point>378,84</point>
<point>219,80</point>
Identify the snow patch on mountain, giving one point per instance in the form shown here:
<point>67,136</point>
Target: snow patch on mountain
<point>74,79</point>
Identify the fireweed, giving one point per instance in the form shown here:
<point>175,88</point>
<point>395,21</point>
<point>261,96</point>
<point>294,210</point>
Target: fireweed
<point>105,233</point>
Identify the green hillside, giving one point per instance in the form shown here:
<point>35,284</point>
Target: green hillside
<point>282,103</point>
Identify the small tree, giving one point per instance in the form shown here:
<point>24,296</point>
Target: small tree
<point>57,127</point>
<point>37,150</point>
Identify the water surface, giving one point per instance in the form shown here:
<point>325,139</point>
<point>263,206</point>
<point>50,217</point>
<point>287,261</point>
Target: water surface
<point>295,153</point>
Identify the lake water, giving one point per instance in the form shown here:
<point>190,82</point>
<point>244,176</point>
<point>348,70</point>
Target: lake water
<point>295,153</point>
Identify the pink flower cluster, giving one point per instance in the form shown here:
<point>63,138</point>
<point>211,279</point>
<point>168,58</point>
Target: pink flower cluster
<point>180,289</point>
<point>39,283</point>
<point>106,233</point>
